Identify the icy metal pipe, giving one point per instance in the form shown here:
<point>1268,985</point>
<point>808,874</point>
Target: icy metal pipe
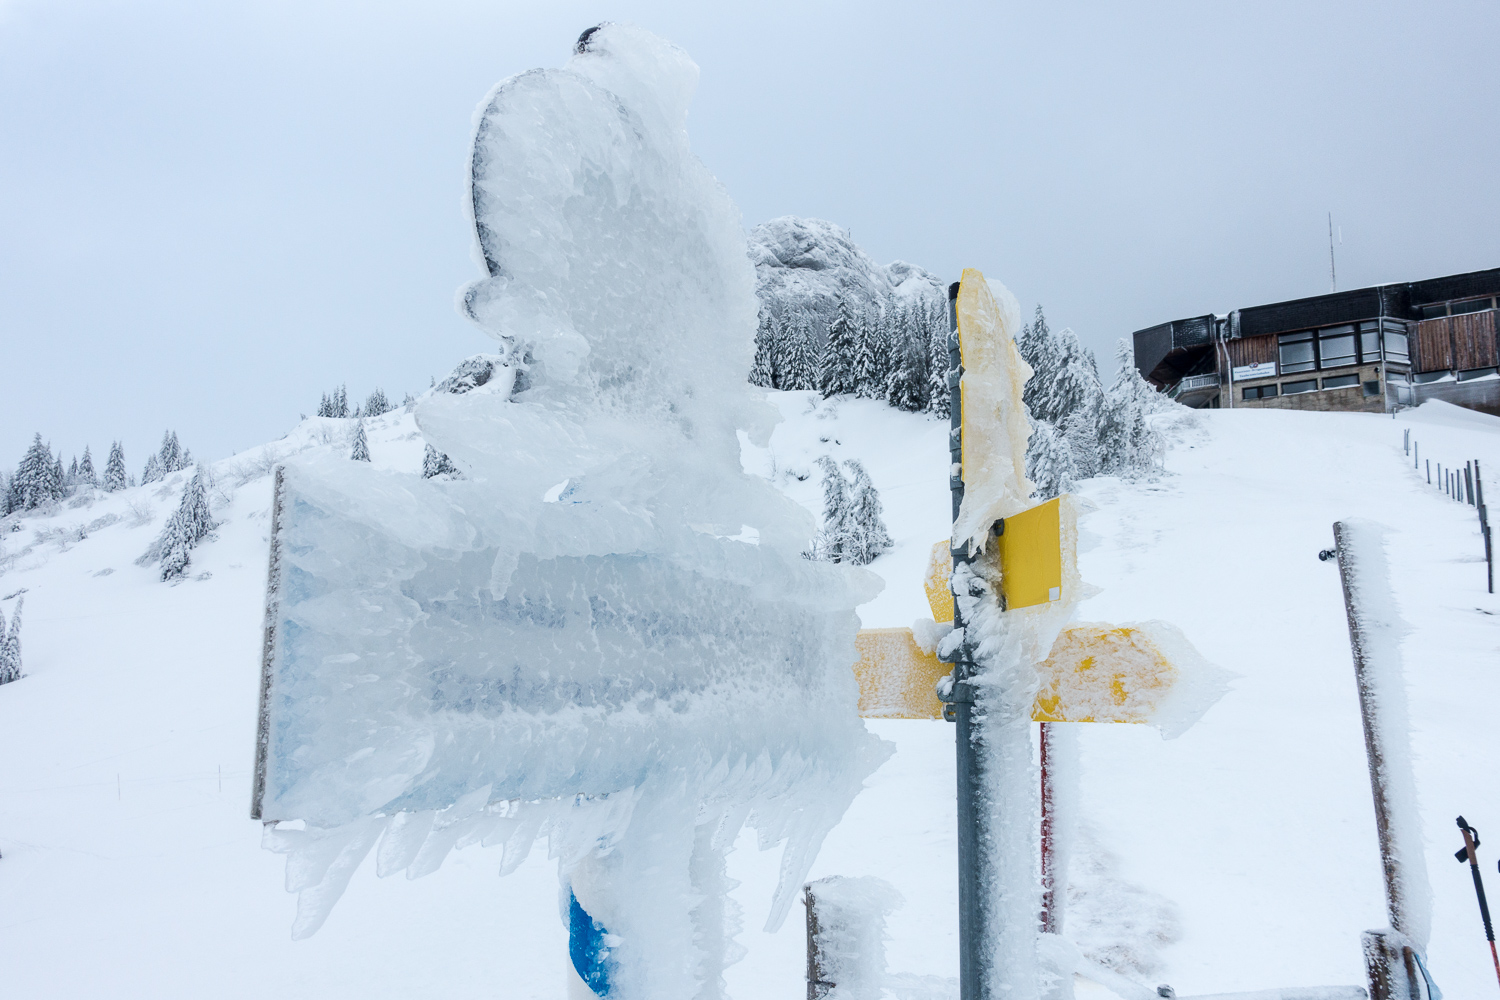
<point>972,931</point>
<point>1391,957</point>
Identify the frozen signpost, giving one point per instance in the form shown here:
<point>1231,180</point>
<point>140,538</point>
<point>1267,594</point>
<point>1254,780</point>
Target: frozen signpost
<point>603,632</point>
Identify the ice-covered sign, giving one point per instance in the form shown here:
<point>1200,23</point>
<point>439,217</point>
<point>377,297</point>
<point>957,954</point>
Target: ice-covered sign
<point>576,637</point>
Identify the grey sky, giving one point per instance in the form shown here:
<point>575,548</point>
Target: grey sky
<point>212,213</point>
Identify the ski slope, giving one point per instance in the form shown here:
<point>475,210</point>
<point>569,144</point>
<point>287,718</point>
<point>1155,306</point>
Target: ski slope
<point>1240,856</point>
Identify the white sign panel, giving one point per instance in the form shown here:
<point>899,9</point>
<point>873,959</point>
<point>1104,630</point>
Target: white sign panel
<point>1265,370</point>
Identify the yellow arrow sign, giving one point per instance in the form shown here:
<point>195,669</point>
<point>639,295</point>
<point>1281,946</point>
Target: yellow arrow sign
<point>1144,672</point>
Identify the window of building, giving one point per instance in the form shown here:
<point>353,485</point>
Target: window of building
<point>1336,347</point>
<point>1471,373</point>
<point>1369,341</point>
<point>1432,312</point>
<point>1259,392</point>
<point>1339,381</point>
<point>1372,388</point>
<point>1288,388</point>
<point>1296,350</point>
<point>1395,347</point>
<point>1471,306</point>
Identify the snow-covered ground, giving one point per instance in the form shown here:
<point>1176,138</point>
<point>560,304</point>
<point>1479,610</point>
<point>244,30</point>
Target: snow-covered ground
<point>1239,856</point>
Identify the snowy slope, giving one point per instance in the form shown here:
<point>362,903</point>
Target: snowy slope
<point>128,872</point>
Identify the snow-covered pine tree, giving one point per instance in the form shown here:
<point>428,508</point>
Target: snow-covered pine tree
<point>170,455</point>
<point>801,371</point>
<point>71,477</point>
<point>1049,461</point>
<point>1081,430</point>
<point>867,534</point>
<point>838,375</point>
<point>153,471</point>
<point>325,406</point>
<point>86,473</point>
<point>870,368</point>
<point>1128,445</point>
<point>376,403</point>
<point>191,523</point>
<point>10,645</point>
<point>1043,353</point>
<point>435,463</point>
<point>361,450</point>
<point>831,542</point>
<point>58,478</point>
<point>32,485</point>
<point>115,476</point>
<point>935,320</point>
<point>763,368</point>
<point>341,402</point>
<point>907,387</point>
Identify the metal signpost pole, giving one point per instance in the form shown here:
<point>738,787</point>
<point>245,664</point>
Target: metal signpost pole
<point>973,867</point>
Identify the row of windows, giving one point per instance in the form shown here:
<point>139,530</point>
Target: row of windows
<point>1310,385</point>
<point>1339,346</point>
<point>1457,308</point>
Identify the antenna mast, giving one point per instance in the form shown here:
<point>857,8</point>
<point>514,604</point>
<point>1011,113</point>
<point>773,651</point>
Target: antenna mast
<point>1333,277</point>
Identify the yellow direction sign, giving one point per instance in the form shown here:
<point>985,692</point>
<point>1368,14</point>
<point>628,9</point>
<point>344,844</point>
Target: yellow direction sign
<point>896,679</point>
<point>1142,672</point>
<point>1031,556</point>
<point>935,582</point>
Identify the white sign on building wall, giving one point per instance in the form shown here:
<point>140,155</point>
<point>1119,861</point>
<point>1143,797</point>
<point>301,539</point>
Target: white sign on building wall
<point>1264,370</point>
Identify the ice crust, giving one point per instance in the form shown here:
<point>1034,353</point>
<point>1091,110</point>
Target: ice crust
<point>462,661</point>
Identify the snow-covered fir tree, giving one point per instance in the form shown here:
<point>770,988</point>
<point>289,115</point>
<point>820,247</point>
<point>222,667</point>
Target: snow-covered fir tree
<point>762,371</point>
<point>361,450</point>
<point>435,463</point>
<point>1081,431</point>
<point>1128,445</point>
<point>1039,350</point>
<point>335,404</point>
<point>799,370</point>
<point>939,397</point>
<point>37,480</point>
<point>170,454</point>
<point>866,534</point>
<point>871,366</point>
<point>1049,461</point>
<point>152,472</point>
<point>191,523</point>
<point>832,539</point>
<point>908,385</point>
<point>86,473</point>
<point>838,375</point>
<point>376,404</point>
<point>10,645</point>
<point>115,476</point>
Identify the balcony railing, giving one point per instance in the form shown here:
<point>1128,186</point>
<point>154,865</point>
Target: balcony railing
<point>1193,382</point>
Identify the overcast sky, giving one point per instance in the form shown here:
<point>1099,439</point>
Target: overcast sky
<point>210,213</point>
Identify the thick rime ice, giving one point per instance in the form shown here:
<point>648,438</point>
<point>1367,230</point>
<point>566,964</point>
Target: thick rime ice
<point>1378,620</point>
<point>461,661</point>
<point>1004,646</point>
<point>850,936</point>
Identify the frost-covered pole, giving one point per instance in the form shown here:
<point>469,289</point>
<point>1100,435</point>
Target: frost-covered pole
<point>972,862</point>
<point>1374,636</point>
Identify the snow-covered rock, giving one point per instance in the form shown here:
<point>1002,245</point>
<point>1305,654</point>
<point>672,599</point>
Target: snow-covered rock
<point>808,265</point>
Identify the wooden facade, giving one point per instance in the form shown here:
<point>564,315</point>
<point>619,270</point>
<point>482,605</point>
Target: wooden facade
<point>1456,343</point>
<point>1251,350</point>
<point>1432,347</point>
